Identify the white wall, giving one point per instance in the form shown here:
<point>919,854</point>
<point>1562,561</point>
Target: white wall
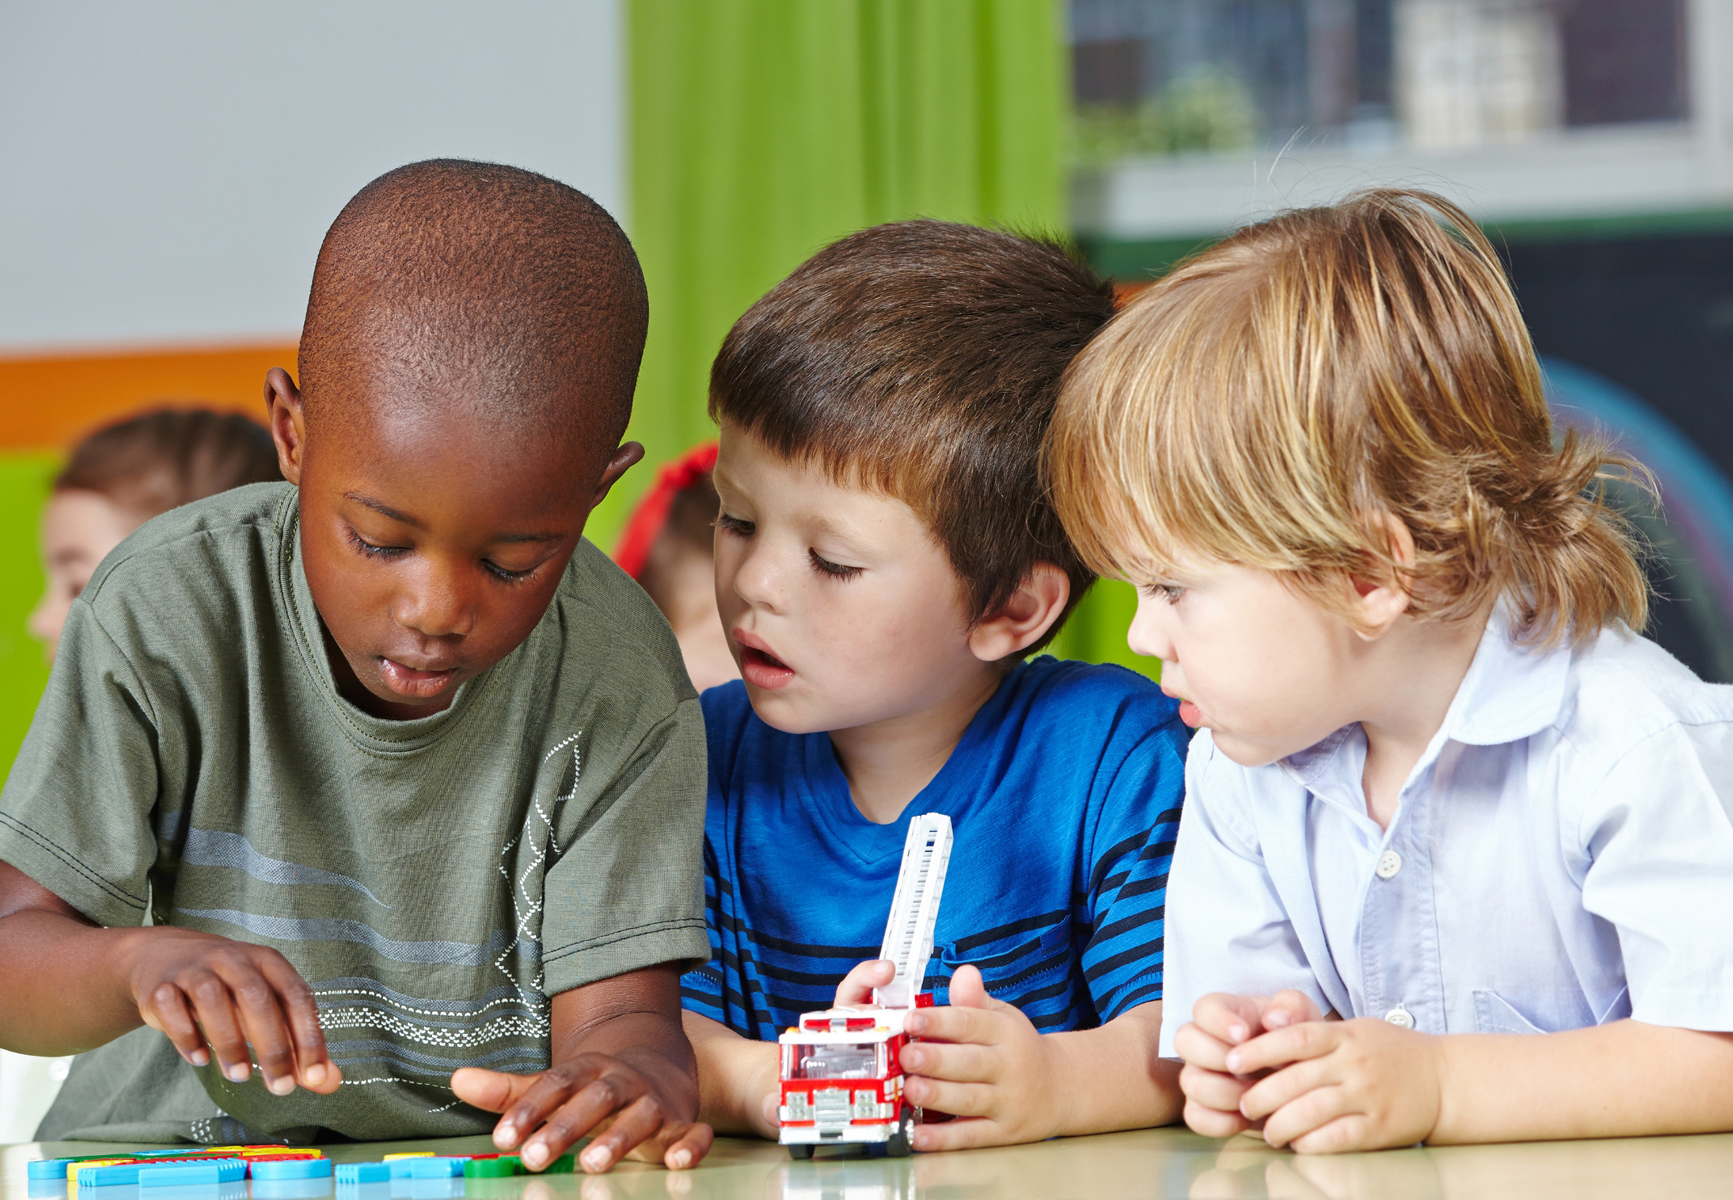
<point>168,169</point>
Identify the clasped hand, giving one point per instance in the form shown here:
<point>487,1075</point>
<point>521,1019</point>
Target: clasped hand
<point>1275,1064</point>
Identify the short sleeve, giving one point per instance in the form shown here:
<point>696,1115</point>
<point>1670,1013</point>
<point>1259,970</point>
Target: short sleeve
<point>1658,839</point>
<point>629,893</point>
<point>76,811</point>
<point>1227,930</point>
<point>1133,849</point>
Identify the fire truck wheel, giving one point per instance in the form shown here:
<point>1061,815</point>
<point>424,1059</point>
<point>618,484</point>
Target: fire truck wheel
<point>800,1150</point>
<point>901,1142</point>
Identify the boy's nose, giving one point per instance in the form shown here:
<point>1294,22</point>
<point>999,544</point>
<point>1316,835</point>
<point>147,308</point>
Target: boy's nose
<point>1146,635</point>
<point>435,605</point>
<point>758,581</point>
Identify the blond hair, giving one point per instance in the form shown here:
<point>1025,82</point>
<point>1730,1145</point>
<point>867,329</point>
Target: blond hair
<point>1275,400</point>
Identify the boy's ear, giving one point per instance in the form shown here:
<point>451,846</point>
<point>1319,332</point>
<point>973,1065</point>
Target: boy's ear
<point>1379,597</point>
<point>622,460</point>
<point>1022,619</point>
<point>283,416</point>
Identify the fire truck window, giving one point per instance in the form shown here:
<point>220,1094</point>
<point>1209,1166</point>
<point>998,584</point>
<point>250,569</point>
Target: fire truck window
<point>838,1062</point>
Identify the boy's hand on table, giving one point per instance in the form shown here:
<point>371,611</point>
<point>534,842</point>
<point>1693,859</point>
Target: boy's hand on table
<point>1331,1086</point>
<point>987,1064</point>
<point>1214,1091</point>
<point>210,995</point>
<point>623,1073</point>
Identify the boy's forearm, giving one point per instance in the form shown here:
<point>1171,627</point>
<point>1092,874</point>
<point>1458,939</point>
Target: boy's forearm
<point>735,1074</point>
<point>64,991</point>
<point>1618,1080</point>
<point>1113,1076</point>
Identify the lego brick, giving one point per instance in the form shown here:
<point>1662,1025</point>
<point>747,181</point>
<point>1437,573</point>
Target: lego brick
<point>211,1170</point>
<point>495,1166</point>
<point>291,1168</point>
<point>363,1172</point>
<point>406,1154</point>
<point>427,1166</point>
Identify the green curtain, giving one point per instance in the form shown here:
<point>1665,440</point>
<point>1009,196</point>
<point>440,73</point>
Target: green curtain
<point>761,130</point>
<point>24,481</point>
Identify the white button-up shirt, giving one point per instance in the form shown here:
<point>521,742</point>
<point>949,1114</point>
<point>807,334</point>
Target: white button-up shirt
<point>1562,856</point>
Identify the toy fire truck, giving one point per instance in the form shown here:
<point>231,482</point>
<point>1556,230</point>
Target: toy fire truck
<point>842,1082</point>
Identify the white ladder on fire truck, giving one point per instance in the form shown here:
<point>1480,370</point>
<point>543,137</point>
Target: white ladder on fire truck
<point>915,908</point>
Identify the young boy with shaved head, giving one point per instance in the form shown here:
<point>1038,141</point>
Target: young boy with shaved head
<point>378,795</point>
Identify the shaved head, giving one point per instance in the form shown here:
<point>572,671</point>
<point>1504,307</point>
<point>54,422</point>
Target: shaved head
<point>481,290</point>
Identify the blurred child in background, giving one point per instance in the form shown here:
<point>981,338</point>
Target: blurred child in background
<point>668,547</point>
<point>128,472</point>
<point>117,479</point>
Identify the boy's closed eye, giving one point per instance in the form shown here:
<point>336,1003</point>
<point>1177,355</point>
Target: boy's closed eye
<point>505,573</point>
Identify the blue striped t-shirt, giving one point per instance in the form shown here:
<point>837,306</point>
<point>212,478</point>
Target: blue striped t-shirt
<point>1064,796</point>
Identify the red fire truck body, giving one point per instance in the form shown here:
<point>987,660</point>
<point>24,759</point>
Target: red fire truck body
<point>842,1080</point>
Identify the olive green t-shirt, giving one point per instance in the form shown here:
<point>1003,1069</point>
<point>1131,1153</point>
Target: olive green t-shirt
<point>434,880</point>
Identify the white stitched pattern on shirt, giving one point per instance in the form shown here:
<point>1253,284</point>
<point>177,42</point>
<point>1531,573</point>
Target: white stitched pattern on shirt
<point>536,844</point>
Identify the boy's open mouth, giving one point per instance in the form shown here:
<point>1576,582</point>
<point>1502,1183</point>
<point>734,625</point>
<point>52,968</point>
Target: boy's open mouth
<point>763,669</point>
<point>409,681</point>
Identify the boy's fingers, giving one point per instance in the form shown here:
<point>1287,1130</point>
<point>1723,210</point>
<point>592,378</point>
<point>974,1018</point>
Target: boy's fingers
<point>490,1091</point>
<point>214,1009</point>
<point>1231,1018</point>
<point>968,989</point>
<point>857,986</point>
<point>959,1099</point>
<point>1351,1131</point>
<point>980,1026</point>
<point>167,1011</point>
<point>315,1068</point>
<point>1212,1089</point>
<point>1285,1086</point>
<point>965,1133</point>
<point>640,1120</point>
<point>1311,1111</point>
<point>689,1147</point>
<point>603,1095</point>
<point>1199,1048</point>
<point>1212,1122</point>
<point>956,1062</point>
<point>1290,1007</point>
<point>1268,1051</point>
<point>266,1030</point>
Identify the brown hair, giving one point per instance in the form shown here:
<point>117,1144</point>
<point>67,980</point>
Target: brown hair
<point>163,459</point>
<point>1274,400</point>
<point>923,359</point>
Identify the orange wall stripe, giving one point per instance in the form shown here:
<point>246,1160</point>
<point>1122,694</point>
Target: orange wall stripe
<point>49,402</point>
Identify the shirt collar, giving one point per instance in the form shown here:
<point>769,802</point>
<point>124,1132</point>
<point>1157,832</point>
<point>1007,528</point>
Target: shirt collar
<point>1510,692</point>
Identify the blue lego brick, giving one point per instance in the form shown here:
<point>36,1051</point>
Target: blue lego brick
<point>215,1170</point>
<point>119,1173</point>
<point>364,1172</point>
<point>434,1167</point>
<point>293,1168</point>
<point>46,1168</point>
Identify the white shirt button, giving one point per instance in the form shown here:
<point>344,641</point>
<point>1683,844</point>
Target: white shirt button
<point>1400,1017</point>
<point>1389,863</point>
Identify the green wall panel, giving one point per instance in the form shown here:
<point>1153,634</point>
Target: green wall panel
<point>24,480</point>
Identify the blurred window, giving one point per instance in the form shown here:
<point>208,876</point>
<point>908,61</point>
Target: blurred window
<point>1162,77</point>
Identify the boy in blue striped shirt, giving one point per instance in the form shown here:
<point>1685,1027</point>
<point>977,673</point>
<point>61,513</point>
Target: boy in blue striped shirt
<point>886,559</point>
